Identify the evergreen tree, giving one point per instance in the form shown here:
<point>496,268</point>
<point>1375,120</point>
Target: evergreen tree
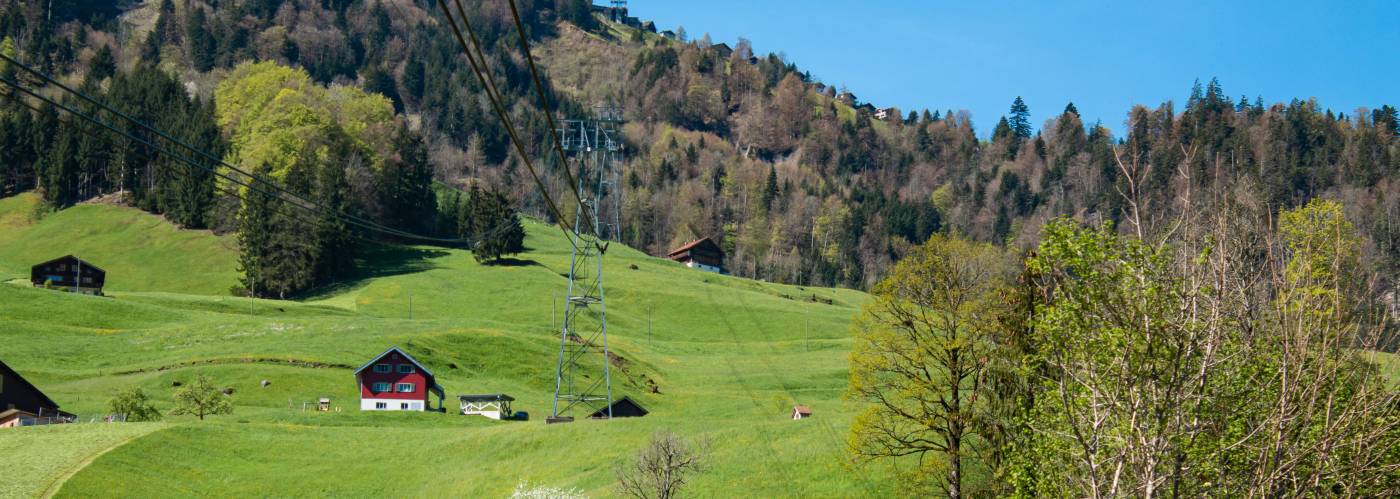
<point>150,49</point>
<point>379,81</point>
<point>335,245</point>
<point>492,225</point>
<point>1070,109</point>
<point>254,234</point>
<point>413,78</point>
<point>770,188</point>
<point>199,41</point>
<point>1020,120</point>
<point>103,64</point>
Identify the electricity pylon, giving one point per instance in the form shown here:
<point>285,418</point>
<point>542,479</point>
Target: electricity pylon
<point>595,147</point>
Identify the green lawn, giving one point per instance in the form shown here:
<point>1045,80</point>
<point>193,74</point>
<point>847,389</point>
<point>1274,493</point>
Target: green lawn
<point>729,356</point>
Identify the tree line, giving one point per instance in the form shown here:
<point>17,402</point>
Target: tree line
<point>797,180</point>
<point>1223,356</point>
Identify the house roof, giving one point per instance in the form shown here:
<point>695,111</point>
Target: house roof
<point>11,373</point>
<point>495,397</point>
<point>802,409</point>
<point>625,399</point>
<point>80,260</point>
<point>401,352</point>
<point>689,246</point>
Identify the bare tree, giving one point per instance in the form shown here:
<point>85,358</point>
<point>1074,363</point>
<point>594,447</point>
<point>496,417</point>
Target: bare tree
<point>662,468</point>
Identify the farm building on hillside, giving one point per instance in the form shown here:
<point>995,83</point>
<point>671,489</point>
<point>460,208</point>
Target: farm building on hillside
<point>702,254</point>
<point>886,114</point>
<point>624,407</point>
<point>69,273</point>
<point>395,381</point>
<point>22,404</point>
<point>494,406</point>
<point>801,412</point>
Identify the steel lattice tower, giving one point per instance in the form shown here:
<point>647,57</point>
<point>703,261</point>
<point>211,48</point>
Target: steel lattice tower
<point>619,9</point>
<point>596,148</point>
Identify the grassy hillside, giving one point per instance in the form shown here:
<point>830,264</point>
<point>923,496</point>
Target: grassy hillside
<point>139,251</point>
<point>729,358</point>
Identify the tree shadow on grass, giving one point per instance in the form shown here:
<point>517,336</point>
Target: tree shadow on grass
<point>378,260</point>
<point>513,262</point>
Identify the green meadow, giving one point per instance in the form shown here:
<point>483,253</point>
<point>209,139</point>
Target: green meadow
<point>728,358</point>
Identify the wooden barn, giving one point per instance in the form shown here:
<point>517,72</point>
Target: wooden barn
<point>69,273</point>
<point>395,381</point>
<point>702,254</point>
<point>801,412</point>
<point>624,407</point>
<point>22,404</point>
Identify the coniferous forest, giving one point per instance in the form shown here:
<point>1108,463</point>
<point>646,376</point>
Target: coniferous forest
<point>796,179</point>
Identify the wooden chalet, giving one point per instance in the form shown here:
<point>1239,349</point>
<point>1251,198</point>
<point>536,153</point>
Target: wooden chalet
<point>801,412</point>
<point>69,273</point>
<point>22,404</point>
<point>701,254</point>
<point>395,381</point>
<point>624,407</point>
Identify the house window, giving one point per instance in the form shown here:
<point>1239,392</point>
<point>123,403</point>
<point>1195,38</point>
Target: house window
<point>405,387</point>
<point>382,368</point>
<point>404,406</point>
<point>405,368</point>
<point>381,405</point>
<point>380,387</point>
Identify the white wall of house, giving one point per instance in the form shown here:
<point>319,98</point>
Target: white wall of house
<point>700,266</point>
<point>390,405</point>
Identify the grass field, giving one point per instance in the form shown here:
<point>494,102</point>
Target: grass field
<point>729,358</point>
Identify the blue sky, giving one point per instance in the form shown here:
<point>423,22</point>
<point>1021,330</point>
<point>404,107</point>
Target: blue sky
<point>1104,56</point>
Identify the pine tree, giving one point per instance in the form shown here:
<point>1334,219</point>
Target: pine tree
<point>492,225</point>
<point>1020,120</point>
<point>199,41</point>
<point>103,64</point>
<point>332,191</point>
<point>1070,109</point>
<point>770,188</point>
<point>254,234</point>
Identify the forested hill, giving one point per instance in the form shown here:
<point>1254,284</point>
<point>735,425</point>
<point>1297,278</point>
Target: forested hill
<point>799,182</point>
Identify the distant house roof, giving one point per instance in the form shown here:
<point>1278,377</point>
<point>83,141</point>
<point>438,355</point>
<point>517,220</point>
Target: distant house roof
<point>85,263</point>
<point>401,352</point>
<point>723,49</point>
<point>624,407</point>
<point>692,245</point>
<point>802,409</point>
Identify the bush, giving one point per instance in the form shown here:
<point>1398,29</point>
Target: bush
<point>134,404</point>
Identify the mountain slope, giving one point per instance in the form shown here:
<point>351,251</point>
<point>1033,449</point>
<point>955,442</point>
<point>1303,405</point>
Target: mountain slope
<point>728,356</point>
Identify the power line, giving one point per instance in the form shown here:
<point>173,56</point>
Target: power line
<point>493,95</point>
<point>363,223</point>
<point>544,105</point>
<point>296,201</point>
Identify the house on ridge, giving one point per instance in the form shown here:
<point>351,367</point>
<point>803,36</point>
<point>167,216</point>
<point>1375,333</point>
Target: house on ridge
<point>395,381</point>
<point>69,273</point>
<point>702,254</point>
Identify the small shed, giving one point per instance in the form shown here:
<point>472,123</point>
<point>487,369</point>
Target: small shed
<point>624,407</point>
<point>69,273</point>
<point>324,404</point>
<point>801,412</point>
<point>494,406</point>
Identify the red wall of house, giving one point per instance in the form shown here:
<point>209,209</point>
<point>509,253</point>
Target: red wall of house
<point>368,378</point>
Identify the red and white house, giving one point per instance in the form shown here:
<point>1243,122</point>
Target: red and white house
<point>395,381</point>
